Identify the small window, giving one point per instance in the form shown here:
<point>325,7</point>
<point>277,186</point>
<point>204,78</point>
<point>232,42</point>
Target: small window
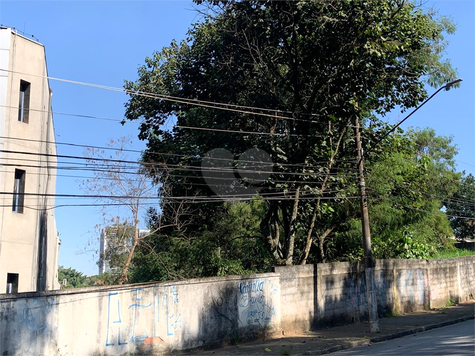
<point>24,105</point>
<point>12,283</point>
<point>18,191</point>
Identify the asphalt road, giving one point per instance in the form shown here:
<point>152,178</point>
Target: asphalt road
<point>457,339</point>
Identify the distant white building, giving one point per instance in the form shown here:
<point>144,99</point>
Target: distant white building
<point>118,237</point>
<point>29,241</point>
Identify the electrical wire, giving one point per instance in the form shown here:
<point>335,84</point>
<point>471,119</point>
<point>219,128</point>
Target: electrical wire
<point>195,102</point>
<point>173,126</point>
<point>133,162</point>
<point>184,183</point>
<point>157,154</point>
<point>188,200</point>
<point>436,212</point>
<point>93,161</point>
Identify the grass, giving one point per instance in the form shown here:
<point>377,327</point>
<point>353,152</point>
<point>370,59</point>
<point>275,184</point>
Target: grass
<point>285,351</point>
<point>391,314</point>
<point>451,254</point>
<point>450,302</point>
<point>236,339</point>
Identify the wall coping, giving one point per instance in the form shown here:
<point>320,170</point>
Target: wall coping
<point>115,288</point>
<point>339,267</point>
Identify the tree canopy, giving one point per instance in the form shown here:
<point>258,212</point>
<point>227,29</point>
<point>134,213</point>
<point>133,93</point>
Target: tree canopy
<point>289,78</point>
<point>461,208</point>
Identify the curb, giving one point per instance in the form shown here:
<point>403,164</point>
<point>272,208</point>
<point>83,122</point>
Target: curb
<point>348,345</point>
<point>420,329</point>
<point>396,335</point>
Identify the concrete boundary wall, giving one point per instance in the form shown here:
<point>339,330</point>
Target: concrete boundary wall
<point>335,293</point>
<point>156,318</point>
<point>140,319</point>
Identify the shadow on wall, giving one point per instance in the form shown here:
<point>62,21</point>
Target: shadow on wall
<point>201,314</point>
<point>41,278</point>
<point>238,312</point>
<point>158,318</point>
<point>340,291</point>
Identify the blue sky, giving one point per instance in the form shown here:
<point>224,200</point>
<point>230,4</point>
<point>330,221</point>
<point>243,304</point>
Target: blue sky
<point>105,42</point>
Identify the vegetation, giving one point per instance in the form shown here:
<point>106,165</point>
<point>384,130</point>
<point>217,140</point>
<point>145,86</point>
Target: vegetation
<point>71,278</point>
<point>117,181</point>
<point>461,208</point>
<point>118,239</point>
<point>231,244</point>
<point>290,79</point>
<point>452,253</point>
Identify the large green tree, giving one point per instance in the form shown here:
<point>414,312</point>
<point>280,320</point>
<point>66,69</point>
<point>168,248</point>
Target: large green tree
<point>461,208</point>
<point>408,184</point>
<point>407,178</point>
<point>312,68</point>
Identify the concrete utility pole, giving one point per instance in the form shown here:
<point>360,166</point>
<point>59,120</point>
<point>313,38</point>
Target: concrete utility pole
<point>368,258</point>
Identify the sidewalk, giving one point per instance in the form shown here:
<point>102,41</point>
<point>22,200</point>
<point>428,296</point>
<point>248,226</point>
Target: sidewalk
<point>329,340</point>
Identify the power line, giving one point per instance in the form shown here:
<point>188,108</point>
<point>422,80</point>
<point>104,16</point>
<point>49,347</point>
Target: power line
<point>437,212</point>
<point>273,113</point>
<point>155,153</point>
<point>445,86</point>
<point>208,199</point>
<point>92,161</point>
<point>228,179</point>
<point>186,200</point>
<point>182,199</point>
<point>174,126</point>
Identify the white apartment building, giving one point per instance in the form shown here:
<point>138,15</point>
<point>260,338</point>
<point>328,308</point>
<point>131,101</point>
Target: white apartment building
<point>29,242</point>
<point>117,238</point>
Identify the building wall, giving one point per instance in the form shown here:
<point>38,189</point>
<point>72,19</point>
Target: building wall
<point>156,318</point>
<point>102,263</point>
<point>28,240</point>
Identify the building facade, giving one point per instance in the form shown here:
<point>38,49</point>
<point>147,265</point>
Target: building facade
<point>29,243</point>
<point>115,242</point>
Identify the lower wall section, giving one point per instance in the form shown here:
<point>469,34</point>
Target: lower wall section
<point>335,293</point>
<point>141,318</point>
<point>157,318</point>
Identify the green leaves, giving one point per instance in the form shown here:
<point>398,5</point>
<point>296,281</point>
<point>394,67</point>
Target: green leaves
<point>461,208</point>
<point>318,65</point>
<point>407,187</point>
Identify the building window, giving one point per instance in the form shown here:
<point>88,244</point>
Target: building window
<point>12,283</point>
<point>24,105</point>
<point>18,191</point>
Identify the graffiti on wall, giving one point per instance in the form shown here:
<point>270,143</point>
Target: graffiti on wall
<point>35,316</point>
<point>255,302</point>
<point>129,322</point>
<point>356,291</point>
<point>412,286</point>
<point>251,303</point>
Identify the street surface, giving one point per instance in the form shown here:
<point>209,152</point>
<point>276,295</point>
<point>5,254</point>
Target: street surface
<point>457,339</point>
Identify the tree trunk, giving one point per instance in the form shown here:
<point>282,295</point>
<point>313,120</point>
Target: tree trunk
<point>123,278</point>
<point>270,230</point>
<point>321,241</point>
<point>309,242</point>
<point>292,230</point>
<point>308,245</point>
